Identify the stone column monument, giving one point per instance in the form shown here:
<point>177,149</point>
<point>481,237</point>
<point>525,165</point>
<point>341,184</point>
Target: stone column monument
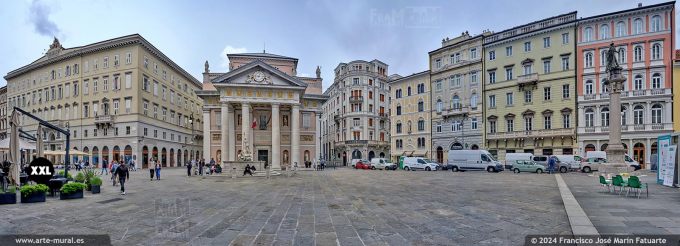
<point>614,82</point>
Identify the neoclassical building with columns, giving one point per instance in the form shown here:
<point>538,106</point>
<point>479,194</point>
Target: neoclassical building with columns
<point>262,103</point>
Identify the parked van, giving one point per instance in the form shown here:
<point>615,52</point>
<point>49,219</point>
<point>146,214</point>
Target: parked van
<point>603,155</point>
<point>541,160</point>
<point>464,160</point>
<point>419,163</point>
<point>511,158</point>
<point>382,163</point>
<point>568,163</point>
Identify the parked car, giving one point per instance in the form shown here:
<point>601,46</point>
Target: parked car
<point>419,163</point>
<point>382,163</point>
<point>355,161</point>
<point>510,158</point>
<point>592,164</point>
<point>541,160</point>
<point>463,160</point>
<point>567,163</point>
<point>527,166</point>
<point>603,155</point>
<point>363,164</point>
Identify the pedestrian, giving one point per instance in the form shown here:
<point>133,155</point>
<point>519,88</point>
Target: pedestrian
<point>247,170</point>
<point>123,173</point>
<point>105,169</point>
<point>158,170</point>
<point>132,165</point>
<point>114,166</point>
<point>200,167</point>
<point>551,164</point>
<point>152,166</point>
<point>189,169</point>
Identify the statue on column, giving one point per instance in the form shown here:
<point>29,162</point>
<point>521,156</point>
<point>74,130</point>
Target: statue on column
<point>612,62</point>
<point>207,67</point>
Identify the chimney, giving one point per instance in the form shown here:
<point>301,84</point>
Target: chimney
<point>639,5</point>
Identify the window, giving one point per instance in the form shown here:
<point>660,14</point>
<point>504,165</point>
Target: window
<point>656,24</point>
<point>527,47</point>
<point>128,58</point>
<point>589,87</point>
<point>622,56</point>
<point>116,82</point>
<point>473,53</point>
<point>155,111</point>
<point>127,130</point>
<point>398,109</point>
<point>620,29</point>
<point>637,82</point>
<point>145,84</point>
<point>547,122</point>
<point>116,60</point>
<point>473,123</point>
<point>106,62</point>
<point>565,38</point>
<point>656,52</point>
<point>456,126</point>
<point>588,34</point>
<point>86,110</point>
<point>637,26</point>
<point>421,125</point>
<point>638,115</point>
<point>408,91</point>
<point>146,107</point>
<point>128,105</point>
<point>492,77</point>
<point>75,89</point>
<point>508,51</point>
<point>438,85</point>
<point>604,115</point>
<point>565,63</point>
<point>546,42</point>
<point>116,105</point>
<point>492,55</point>
<point>473,100</point>
<point>510,125</point>
<point>473,77</point>
<point>604,31</point>
<point>155,88</point>
<point>528,123</point>
<point>128,80</point>
<point>155,68</point>
<point>527,96</point>
<point>86,87</point>
<point>508,73</point>
<point>565,91</point>
<point>398,127</point>
<point>106,83</point>
<point>457,57</point>
<point>492,126</point>
<point>546,66</point>
<point>438,127</point>
<point>589,60</point>
<point>656,81</point>
<point>438,63</point>
<point>546,93</point>
<point>603,57</point>
<point>421,106</point>
<point>492,101</point>
<point>637,53</point>
<point>163,89</point>
<point>440,105</point>
<point>455,102</point>
<point>508,99</point>
<point>623,116</point>
<point>95,64</point>
<point>656,114</point>
<point>566,121</point>
<point>527,69</point>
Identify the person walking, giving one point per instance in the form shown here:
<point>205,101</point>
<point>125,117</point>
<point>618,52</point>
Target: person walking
<point>114,166</point>
<point>158,170</point>
<point>152,166</point>
<point>551,164</point>
<point>105,168</point>
<point>123,174</point>
<point>200,167</point>
<point>132,165</point>
<point>189,169</point>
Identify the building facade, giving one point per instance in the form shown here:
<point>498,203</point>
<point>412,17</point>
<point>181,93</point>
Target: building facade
<point>120,99</point>
<point>643,37</point>
<point>356,117</point>
<point>529,88</point>
<point>261,106</point>
<point>456,82</point>
<point>4,120</point>
<point>410,111</point>
<point>676,93</point>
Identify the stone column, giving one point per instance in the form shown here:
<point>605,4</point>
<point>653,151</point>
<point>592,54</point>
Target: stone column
<point>648,154</point>
<point>615,150</point>
<point>231,141</point>
<point>224,132</point>
<point>276,137</point>
<point>245,126</point>
<point>295,135</point>
<point>206,136</point>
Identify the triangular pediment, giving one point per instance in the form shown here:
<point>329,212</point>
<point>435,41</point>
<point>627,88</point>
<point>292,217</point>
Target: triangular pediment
<point>258,73</point>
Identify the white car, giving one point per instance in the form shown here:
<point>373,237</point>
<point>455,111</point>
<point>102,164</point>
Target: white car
<point>382,163</point>
<point>419,163</point>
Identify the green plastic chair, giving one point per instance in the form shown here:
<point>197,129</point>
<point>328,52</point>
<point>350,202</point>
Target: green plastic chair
<point>617,181</point>
<point>605,184</point>
<point>634,183</point>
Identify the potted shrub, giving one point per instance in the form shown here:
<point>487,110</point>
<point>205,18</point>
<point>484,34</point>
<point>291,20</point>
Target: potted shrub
<point>95,185</point>
<point>9,196</point>
<point>80,178</point>
<point>89,175</point>
<point>33,193</point>
<point>69,177</point>
<point>73,190</point>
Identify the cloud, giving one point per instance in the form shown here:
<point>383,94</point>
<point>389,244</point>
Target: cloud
<point>230,50</point>
<point>39,17</point>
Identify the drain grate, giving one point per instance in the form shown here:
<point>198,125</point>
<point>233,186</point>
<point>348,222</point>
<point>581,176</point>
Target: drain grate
<point>110,200</point>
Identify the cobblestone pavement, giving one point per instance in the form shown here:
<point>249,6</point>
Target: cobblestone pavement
<point>616,214</point>
<point>344,206</point>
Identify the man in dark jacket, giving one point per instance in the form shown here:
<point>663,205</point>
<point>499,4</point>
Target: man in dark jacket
<point>189,169</point>
<point>123,173</point>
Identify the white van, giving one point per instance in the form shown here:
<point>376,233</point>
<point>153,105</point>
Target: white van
<point>419,163</point>
<point>382,163</point>
<point>510,158</point>
<point>464,160</point>
<point>603,155</point>
<point>568,163</point>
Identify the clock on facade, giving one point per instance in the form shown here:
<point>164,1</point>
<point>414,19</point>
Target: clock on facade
<point>258,76</point>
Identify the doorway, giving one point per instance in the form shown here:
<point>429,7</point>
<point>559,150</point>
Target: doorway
<point>263,155</point>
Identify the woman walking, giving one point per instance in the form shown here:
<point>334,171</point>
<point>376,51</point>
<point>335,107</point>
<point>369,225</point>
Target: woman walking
<point>152,166</point>
<point>158,170</point>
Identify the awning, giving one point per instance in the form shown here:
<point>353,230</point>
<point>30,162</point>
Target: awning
<point>23,144</point>
<point>61,152</point>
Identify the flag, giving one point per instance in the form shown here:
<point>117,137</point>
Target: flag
<point>254,123</point>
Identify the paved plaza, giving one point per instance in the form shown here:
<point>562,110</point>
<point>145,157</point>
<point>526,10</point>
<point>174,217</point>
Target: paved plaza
<point>343,206</point>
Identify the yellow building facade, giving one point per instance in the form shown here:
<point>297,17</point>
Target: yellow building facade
<point>529,88</point>
<point>676,93</point>
<point>410,116</point>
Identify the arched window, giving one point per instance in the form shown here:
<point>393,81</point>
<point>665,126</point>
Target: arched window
<point>656,81</point>
<point>620,29</point>
<point>604,89</point>
<point>421,105</point>
<point>623,115</point>
<point>589,59</point>
<point>455,103</point>
<point>637,53</point>
<point>398,126</point>
<point>656,114</point>
<point>637,83</point>
<point>421,125</point>
<point>473,100</point>
<point>656,52</point>
<point>590,117</point>
<point>603,57</point>
<point>656,23</point>
<point>622,56</point>
<point>638,115</point>
<point>398,109</point>
<point>439,105</point>
<point>588,34</point>
<point>604,114</point>
<point>637,26</point>
<point>604,31</point>
<point>408,91</point>
<point>589,87</point>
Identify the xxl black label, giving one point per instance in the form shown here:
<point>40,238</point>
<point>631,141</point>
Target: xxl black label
<point>40,170</point>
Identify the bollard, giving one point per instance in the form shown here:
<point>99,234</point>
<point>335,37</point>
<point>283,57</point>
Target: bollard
<point>233,173</point>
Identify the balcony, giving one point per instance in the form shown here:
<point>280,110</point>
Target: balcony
<point>377,142</point>
<point>589,97</point>
<point>456,111</point>
<point>639,93</point>
<point>527,80</point>
<point>103,120</point>
<point>604,96</point>
<point>356,142</point>
<point>356,99</point>
<point>655,92</point>
<point>533,133</point>
<point>590,129</point>
<point>384,115</point>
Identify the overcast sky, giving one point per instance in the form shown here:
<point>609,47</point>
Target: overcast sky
<point>317,32</point>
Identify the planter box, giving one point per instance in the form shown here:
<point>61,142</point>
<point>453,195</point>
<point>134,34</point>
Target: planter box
<point>8,198</point>
<point>95,189</point>
<point>33,197</point>
<point>74,195</point>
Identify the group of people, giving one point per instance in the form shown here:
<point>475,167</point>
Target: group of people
<point>154,168</point>
<point>200,167</point>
